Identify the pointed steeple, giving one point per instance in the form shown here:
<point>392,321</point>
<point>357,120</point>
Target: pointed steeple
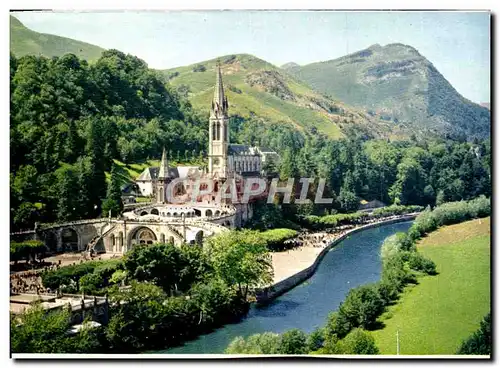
<point>219,104</point>
<point>163,166</point>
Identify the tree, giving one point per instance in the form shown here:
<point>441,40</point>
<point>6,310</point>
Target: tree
<point>241,259</point>
<point>40,331</point>
<point>264,343</point>
<point>67,189</point>
<point>361,307</point>
<point>293,342</point>
<point>288,166</point>
<point>348,200</point>
<point>159,264</point>
<point>410,183</point>
<point>113,200</point>
<point>358,342</point>
<point>315,339</point>
<point>479,343</point>
<point>137,319</point>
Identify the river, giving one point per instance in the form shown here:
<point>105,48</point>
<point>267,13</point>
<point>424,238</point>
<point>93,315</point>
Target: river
<point>354,261</point>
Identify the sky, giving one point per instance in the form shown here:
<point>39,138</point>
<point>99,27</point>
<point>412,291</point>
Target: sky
<point>457,43</point>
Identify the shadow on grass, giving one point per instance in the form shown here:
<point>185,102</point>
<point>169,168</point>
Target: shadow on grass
<point>377,325</point>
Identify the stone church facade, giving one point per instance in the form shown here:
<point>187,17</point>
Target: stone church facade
<point>226,161</point>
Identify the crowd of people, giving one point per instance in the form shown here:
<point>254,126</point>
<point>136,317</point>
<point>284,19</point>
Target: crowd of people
<point>28,282</point>
<point>31,282</point>
<point>322,239</point>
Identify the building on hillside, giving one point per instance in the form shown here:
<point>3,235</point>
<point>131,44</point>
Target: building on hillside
<point>226,161</point>
<point>371,205</point>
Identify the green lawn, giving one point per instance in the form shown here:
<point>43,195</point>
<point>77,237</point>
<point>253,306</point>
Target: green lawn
<point>436,315</point>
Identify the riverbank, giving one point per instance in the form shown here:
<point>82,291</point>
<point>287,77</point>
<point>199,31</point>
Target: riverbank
<point>353,262</point>
<point>437,314</point>
<point>293,267</point>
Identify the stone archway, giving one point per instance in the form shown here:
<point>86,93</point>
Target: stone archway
<point>155,211</point>
<point>142,235</point>
<point>51,241</point>
<point>208,213</point>
<point>144,213</point>
<point>70,240</point>
<point>120,242</point>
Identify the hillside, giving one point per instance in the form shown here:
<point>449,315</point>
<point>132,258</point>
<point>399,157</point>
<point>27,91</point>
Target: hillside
<point>259,89</point>
<point>402,86</point>
<point>24,41</point>
<point>437,314</point>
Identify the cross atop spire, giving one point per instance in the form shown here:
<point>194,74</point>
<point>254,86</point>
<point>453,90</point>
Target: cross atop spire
<point>163,166</point>
<point>219,104</point>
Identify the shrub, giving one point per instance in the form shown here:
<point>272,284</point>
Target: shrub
<point>390,247</point>
<point>293,342</point>
<point>358,342</point>
<point>199,68</point>
<point>418,262</point>
<point>388,292</point>
<point>72,274</point>
<point>315,339</point>
<point>480,207</point>
<point>448,214</point>
<point>362,306</point>
<point>264,343</point>
<point>27,250</point>
<point>91,283</point>
<point>479,343</point>
<point>276,238</point>
<point>396,210</point>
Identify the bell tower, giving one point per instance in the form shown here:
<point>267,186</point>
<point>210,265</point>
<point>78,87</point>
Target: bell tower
<point>163,179</point>
<point>218,130</point>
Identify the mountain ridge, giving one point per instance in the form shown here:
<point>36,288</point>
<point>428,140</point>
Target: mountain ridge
<point>387,91</point>
<point>24,41</point>
<point>397,81</point>
<point>256,87</point>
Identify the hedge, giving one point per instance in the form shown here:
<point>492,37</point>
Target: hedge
<point>401,264</point>
<point>65,276</point>
<point>26,250</point>
<point>323,222</point>
<point>276,238</point>
<point>396,210</point>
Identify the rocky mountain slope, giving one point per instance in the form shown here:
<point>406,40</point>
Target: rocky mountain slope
<point>256,88</point>
<point>402,86</point>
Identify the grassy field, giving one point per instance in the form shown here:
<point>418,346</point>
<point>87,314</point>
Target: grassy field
<point>436,315</point>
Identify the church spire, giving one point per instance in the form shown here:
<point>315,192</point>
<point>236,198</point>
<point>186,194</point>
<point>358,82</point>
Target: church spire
<point>219,104</point>
<point>163,166</point>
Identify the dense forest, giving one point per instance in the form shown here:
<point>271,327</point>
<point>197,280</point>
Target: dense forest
<point>70,119</point>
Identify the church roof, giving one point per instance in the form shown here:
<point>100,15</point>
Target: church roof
<point>240,149</point>
<point>151,173</point>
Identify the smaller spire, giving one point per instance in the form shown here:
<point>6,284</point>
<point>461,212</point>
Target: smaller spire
<point>163,165</point>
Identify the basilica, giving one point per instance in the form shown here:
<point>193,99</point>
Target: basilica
<point>226,161</point>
